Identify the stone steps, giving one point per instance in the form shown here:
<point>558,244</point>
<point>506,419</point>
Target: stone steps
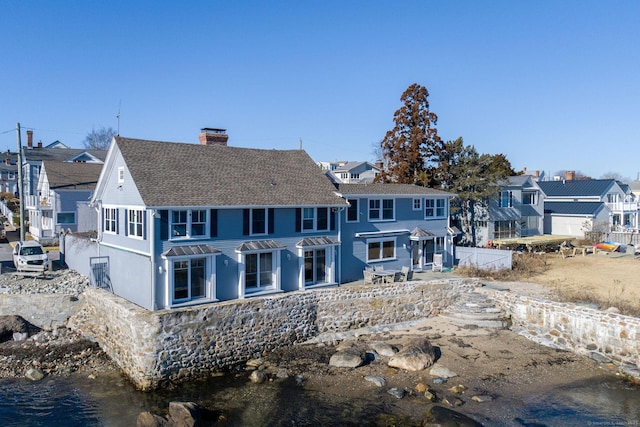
<point>477,309</point>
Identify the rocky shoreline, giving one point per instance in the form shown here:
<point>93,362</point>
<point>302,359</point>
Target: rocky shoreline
<point>484,373</point>
<point>28,351</point>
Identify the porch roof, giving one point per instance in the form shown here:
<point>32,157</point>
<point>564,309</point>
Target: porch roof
<point>191,250</point>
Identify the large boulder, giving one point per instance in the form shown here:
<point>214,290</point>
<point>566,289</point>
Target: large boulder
<point>416,356</point>
<point>147,419</point>
<point>184,414</point>
<point>11,324</point>
<point>441,416</point>
<point>346,359</point>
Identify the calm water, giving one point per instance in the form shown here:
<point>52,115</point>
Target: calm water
<point>114,402</point>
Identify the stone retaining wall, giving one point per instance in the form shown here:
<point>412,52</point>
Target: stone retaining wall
<point>46,311</point>
<point>179,344</point>
<point>602,335</point>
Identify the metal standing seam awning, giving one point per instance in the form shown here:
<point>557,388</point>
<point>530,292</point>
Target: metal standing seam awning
<point>317,241</point>
<point>387,233</point>
<point>191,250</point>
<point>259,245</point>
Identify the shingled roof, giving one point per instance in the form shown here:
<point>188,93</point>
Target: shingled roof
<point>181,174</point>
<point>389,189</point>
<point>65,175</point>
<point>60,154</point>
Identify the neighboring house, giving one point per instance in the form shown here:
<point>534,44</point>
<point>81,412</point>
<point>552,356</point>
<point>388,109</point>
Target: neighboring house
<point>184,224</point>
<point>9,175</point>
<point>517,212</point>
<point>393,225</point>
<point>350,172</point>
<point>62,187</point>
<point>611,202</point>
<point>33,156</point>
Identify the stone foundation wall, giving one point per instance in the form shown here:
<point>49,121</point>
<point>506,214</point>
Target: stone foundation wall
<point>46,311</point>
<point>179,344</point>
<point>602,335</point>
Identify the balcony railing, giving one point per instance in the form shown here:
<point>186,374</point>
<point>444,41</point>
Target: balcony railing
<point>37,202</point>
<point>623,206</point>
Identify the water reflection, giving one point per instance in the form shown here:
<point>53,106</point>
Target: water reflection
<point>111,401</point>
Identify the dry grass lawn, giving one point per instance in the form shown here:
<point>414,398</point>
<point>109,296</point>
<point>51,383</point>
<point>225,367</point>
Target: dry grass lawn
<point>612,280</point>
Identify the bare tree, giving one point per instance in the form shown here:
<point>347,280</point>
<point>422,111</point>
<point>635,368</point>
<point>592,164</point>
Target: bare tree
<point>99,139</point>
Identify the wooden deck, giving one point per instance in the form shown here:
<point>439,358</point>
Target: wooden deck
<point>532,243</point>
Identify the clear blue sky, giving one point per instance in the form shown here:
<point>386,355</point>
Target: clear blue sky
<point>553,85</point>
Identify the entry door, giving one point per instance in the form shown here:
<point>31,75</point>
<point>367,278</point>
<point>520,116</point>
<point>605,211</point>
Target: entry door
<point>429,250</point>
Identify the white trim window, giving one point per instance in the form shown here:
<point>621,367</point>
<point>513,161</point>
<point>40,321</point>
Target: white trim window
<point>188,223</point>
<point>259,270</point>
<point>529,198</point>
<point>135,223</point>
<point>189,279</point>
<point>506,199</point>
<point>315,219</point>
<point>353,213</point>
<point>66,218</point>
<point>417,204</point>
<point>315,266</point>
<point>120,174</point>
<point>110,216</point>
<point>258,219</point>
<point>435,208</point>
<point>381,209</point>
<point>381,249</point>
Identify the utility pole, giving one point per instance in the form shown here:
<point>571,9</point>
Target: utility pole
<point>20,184</point>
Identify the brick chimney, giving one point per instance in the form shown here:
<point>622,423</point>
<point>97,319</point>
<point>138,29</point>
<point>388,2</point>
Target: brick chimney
<point>210,136</point>
<point>29,139</point>
<point>39,144</point>
<point>7,160</point>
<point>570,175</point>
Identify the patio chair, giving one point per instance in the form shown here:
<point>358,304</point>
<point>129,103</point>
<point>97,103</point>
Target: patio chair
<point>436,265</point>
<point>397,277</point>
<point>378,268</point>
<point>409,275</point>
<point>369,278</point>
<point>405,271</point>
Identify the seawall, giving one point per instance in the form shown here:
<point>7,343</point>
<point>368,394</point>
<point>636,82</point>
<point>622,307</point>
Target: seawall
<point>604,336</point>
<point>180,344</point>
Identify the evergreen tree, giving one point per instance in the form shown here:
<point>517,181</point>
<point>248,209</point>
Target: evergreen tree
<point>413,143</point>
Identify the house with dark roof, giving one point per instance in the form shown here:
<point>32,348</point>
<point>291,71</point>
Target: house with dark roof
<point>34,155</point>
<point>393,225</point>
<point>575,206</point>
<point>183,223</point>
<point>518,211</point>
<point>64,190</point>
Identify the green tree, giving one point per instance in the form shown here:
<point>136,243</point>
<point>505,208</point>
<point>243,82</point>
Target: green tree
<point>475,179</point>
<point>99,139</point>
<point>413,143</point>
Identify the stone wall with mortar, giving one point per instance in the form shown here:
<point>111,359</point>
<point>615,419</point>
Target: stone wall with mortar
<point>179,344</point>
<point>602,335</point>
<point>46,311</point>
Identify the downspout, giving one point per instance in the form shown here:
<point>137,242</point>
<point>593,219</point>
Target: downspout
<point>339,250</point>
<point>152,253</point>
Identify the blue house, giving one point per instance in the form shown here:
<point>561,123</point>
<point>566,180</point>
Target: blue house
<point>184,224</point>
<point>393,225</point>
<point>64,190</point>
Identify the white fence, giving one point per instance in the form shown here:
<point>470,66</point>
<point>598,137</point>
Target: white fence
<point>485,259</point>
<point>6,211</point>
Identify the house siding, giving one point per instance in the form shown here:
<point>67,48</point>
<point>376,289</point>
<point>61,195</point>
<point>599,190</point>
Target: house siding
<point>229,238</point>
<point>353,258</point>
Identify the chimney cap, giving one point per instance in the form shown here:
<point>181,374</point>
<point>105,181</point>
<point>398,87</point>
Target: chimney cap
<point>214,130</point>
